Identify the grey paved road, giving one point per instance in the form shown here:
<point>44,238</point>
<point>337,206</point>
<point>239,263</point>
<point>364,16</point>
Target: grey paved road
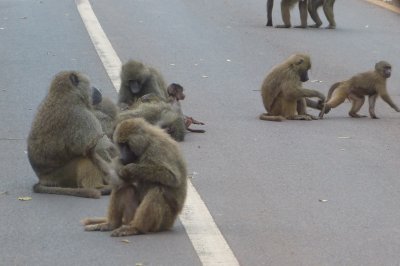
<point>290,193</point>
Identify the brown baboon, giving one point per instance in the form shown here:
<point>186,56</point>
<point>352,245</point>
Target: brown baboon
<point>175,94</point>
<point>137,80</point>
<point>286,5</point>
<point>106,111</point>
<point>153,188</point>
<point>282,92</point>
<point>371,84</point>
<point>157,112</point>
<point>313,5</point>
<point>67,148</point>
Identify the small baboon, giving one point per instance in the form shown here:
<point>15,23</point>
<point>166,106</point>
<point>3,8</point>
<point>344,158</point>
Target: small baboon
<point>286,5</point>
<point>67,147</point>
<point>137,80</point>
<point>282,92</point>
<point>157,112</point>
<point>153,182</point>
<point>106,111</point>
<point>175,94</point>
<point>313,5</point>
<point>371,84</point>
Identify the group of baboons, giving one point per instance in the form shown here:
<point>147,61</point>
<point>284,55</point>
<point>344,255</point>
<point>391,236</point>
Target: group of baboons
<point>85,145</point>
<point>82,144</point>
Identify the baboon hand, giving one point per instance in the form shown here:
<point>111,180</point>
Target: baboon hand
<point>127,172</point>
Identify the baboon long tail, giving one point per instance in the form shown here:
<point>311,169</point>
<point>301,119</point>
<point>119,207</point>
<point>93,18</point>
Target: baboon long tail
<point>77,192</point>
<point>94,220</point>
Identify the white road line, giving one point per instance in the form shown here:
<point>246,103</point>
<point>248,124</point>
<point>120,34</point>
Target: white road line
<point>104,49</point>
<point>207,240</point>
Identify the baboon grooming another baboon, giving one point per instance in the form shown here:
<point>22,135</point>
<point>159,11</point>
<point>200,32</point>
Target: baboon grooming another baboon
<point>137,80</point>
<point>67,147</point>
<point>371,84</point>
<point>153,182</point>
<point>286,5</point>
<point>313,5</point>
<point>282,92</point>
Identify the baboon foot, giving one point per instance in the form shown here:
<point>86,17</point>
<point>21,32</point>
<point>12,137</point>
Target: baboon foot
<point>283,26</point>
<point>330,27</point>
<point>269,23</point>
<point>125,230</point>
<point>301,117</point>
<point>300,27</point>
<point>315,26</point>
<point>100,227</point>
<point>106,190</point>
<point>356,115</point>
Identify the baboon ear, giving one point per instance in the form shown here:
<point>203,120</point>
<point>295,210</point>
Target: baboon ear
<point>74,79</point>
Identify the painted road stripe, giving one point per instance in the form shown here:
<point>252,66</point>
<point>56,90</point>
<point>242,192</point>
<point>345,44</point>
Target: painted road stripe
<point>385,5</point>
<point>207,240</point>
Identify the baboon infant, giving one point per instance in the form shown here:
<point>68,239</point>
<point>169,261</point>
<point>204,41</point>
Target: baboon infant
<point>153,182</point>
<point>371,84</point>
<point>282,92</point>
<point>67,147</point>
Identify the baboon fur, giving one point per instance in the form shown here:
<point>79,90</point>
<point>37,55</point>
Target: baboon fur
<point>286,5</point>
<point>160,113</point>
<point>313,5</point>
<point>153,182</point>
<point>370,83</point>
<point>137,80</point>
<point>67,147</point>
<point>106,112</point>
<point>282,92</point>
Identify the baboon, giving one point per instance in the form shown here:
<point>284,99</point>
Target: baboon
<point>371,84</point>
<point>157,112</point>
<point>153,182</point>
<point>286,5</point>
<point>106,111</point>
<point>67,147</point>
<point>137,80</point>
<point>282,92</point>
<point>313,5</point>
<point>175,94</point>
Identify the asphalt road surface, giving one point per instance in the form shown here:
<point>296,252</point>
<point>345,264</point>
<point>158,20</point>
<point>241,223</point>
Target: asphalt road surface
<point>323,192</point>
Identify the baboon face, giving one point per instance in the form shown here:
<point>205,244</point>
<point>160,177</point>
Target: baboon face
<point>301,64</point>
<point>96,96</point>
<point>176,91</point>
<point>134,86</point>
<point>384,68</point>
<point>131,139</point>
<point>135,74</point>
<point>127,156</point>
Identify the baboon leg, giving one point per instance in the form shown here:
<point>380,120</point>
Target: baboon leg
<point>372,100</point>
<point>328,10</point>
<point>303,14</point>
<point>88,175</point>
<point>123,204</point>
<point>312,10</point>
<point>268,117</point>
<point>152,215</point>
<point>285,11</point>
<point>357,102</point>
<point>302,106</point>
<point>270,6</point>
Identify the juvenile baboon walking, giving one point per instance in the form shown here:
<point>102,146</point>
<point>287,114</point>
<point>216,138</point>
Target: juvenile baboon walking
<point>282,92</point>
<point>153,182</point>
<point>67,147</point>
<point>137,80</point>
<point>371,84</point>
